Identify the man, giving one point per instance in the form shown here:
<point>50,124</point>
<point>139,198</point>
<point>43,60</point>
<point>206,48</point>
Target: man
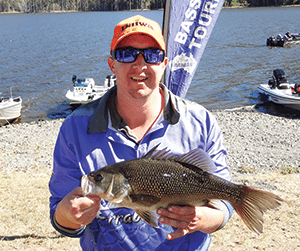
<point>133,117</point>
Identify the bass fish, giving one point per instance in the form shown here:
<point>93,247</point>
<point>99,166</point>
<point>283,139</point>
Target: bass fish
<point>160,179</point>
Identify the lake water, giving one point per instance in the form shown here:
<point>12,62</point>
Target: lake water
<point>39,53</point>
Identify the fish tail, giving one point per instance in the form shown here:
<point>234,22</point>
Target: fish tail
<point>252,205</point>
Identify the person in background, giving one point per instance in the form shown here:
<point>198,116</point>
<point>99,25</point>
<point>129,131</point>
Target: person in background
<point>126,123</point>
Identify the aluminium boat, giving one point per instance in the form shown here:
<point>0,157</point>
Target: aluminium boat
<point>280,91</point>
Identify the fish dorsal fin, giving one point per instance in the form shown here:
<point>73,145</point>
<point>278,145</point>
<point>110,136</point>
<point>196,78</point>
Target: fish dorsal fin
<point>159,154</point>
<point>198,158</point>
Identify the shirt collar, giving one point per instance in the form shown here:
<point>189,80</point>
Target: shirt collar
<point>99,119</point>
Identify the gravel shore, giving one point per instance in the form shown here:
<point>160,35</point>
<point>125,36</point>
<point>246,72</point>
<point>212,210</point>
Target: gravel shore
<point>259,143</point>
<point>256,142</point>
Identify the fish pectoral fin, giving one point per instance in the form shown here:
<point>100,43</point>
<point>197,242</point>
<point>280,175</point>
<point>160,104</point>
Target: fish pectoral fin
<point>216,204</point>
<point>148,216</point>
<point>144,199</point>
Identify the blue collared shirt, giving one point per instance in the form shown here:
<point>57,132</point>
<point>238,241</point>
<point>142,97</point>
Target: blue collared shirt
<point>93,137</point>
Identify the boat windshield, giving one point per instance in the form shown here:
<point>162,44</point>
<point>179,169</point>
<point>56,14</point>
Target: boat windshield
<point>81,84</point>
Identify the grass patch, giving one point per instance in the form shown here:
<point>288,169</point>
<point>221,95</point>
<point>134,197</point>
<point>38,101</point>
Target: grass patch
<point>247,169</point>
<point>290,170</point>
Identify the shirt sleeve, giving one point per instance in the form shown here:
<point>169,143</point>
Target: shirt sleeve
<point>215,147</point>
<point>227,209</point>
<point>66,176</point>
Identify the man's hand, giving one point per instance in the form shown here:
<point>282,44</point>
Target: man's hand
<point>74,210</point>
<point>189,219</point>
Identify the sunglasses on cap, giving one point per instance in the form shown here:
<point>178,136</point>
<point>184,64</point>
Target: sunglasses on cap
<point>130,54</point>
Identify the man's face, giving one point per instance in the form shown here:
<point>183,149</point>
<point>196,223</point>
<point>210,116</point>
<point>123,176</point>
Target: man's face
<point>137,79</point>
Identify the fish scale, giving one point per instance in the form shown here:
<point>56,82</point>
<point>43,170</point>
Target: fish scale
<point>162,177</point>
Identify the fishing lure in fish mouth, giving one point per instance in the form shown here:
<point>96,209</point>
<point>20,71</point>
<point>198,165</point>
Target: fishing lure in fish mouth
<point>160,179</point>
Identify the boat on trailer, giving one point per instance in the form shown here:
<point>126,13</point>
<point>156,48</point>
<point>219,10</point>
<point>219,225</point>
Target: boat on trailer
<point>10,109</point>
<point>281,91</point>
<point>85,90</point>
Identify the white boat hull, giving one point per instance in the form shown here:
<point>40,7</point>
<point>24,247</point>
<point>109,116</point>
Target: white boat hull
<point>86,90</point>
<point>10,109</point>
<point>281,96</point>
<point>82,98</point>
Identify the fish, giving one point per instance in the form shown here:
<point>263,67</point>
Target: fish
<point>161,179</point>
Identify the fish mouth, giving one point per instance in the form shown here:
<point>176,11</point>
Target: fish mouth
<point>86,185</point>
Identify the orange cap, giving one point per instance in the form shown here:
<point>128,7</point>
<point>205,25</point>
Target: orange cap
<point>134,25</point>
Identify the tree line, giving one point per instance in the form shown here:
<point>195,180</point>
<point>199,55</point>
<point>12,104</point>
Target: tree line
<point>32,6</point>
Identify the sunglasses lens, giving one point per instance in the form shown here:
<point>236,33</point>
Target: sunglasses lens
<point>125,55</point>
<point>129,55</point>
<point>153,56</point>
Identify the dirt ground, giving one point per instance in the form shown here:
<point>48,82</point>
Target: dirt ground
<point>281,226</point>
<point>25,225</point>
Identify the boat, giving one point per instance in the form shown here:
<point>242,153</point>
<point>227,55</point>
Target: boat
<point>10,109</point>
<point>284,40</point>
<point>85,90</point>
<point>281,91</point>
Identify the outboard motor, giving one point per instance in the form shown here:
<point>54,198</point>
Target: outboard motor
<point>280,77</point>
<point>74,77</point>
<point>110,81</point>
<point>272,83</point>
<point>271,41</point>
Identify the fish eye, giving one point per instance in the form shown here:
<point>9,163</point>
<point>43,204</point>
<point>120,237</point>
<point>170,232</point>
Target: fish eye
<point>99,177</point>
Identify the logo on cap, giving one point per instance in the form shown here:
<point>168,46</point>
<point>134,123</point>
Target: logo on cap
<point>137,23</point>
